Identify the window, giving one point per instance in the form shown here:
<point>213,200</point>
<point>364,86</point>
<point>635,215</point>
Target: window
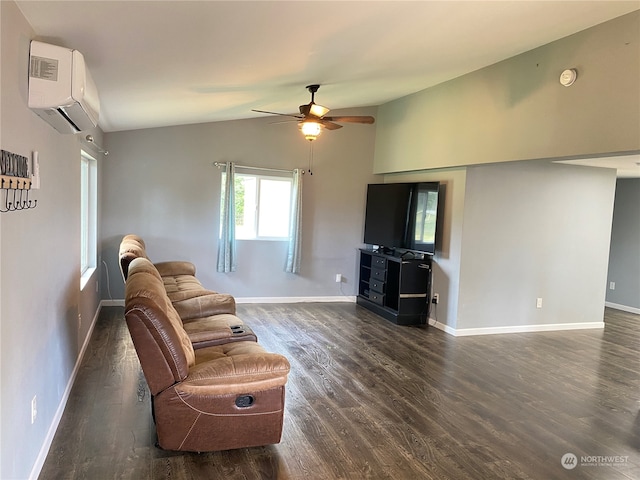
<point>262,205</point>
<point>426,215</point>
<point>88,216</point>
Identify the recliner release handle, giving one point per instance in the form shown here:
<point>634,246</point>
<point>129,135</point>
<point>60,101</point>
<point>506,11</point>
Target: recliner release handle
<point>244,401</point>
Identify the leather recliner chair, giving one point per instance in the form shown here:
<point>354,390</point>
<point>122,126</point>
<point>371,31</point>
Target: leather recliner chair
<point>214,398</point>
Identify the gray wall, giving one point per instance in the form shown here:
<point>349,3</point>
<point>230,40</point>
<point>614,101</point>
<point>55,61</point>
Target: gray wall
<point>512,111</point>
<point>517,109</point>
<point>624,259</point>
<point>160,184</point>
<point>40,301</point>
<point>534,230</point>
<point>517,231</point>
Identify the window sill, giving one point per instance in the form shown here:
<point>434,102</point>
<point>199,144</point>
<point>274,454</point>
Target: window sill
<point>263,239</point>
<point>86,276</point>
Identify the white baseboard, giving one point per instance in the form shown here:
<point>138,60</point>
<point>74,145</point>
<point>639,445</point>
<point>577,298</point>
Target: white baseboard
<point>111,303</point>
<point>465,332</point>
<point>442,326</point>
<point>624,308</point>
<point>55,422</point>
<point>342,298</point>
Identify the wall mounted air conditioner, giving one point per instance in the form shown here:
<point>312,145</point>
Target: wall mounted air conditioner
<point>61,89</point>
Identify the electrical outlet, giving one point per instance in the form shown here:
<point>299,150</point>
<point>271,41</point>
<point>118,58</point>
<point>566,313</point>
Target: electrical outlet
<point>436,298</point>
<point>338,278</point>
<point>34,409</point>
<point>612,285</point>
<point>539,302</point>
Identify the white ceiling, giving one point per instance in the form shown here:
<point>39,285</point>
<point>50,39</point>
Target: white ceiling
<point>160,63</point>
<point>627,166</point>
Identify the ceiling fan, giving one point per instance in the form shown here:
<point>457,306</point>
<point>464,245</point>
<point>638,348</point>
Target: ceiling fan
<point>312,119</point>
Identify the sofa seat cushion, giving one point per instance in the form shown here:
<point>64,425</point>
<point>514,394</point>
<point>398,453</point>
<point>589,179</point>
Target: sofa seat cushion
<point>192,300</point>
<point>234,368</point>
<point>175,284</point>
<point>202,303</point>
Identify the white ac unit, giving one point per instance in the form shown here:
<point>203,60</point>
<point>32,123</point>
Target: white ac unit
<point>61,89</point>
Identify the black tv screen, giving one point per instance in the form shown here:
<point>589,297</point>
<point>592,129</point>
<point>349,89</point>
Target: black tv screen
<point>402,216</point>
<point>386,214</point>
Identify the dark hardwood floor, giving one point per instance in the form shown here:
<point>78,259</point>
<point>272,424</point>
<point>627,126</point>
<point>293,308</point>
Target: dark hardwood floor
<point>367,399</point>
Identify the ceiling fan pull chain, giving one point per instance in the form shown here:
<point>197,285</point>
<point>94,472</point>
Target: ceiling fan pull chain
<point>310,158</point>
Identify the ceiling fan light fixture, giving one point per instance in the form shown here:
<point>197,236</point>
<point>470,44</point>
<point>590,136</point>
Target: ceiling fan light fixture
<point>310,130</point>
<point>318,110</point>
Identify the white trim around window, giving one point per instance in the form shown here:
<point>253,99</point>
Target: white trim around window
<point>88,217</point>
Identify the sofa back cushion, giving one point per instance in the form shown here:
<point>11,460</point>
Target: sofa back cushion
<point>131,247</point>
<point>163,347</point>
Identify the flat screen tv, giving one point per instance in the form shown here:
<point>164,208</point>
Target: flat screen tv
<point>402,216</point>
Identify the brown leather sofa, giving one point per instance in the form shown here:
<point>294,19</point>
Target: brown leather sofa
<point>213,398</point>
<point>207,330</point>
<point>207,316</point>
<point>185,291</point>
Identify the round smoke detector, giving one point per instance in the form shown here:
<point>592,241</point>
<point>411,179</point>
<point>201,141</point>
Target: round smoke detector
<point>568,77</point>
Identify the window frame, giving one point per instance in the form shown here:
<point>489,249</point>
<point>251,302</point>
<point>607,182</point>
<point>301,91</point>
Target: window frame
<point>259,177</point>
<point>88,216</point>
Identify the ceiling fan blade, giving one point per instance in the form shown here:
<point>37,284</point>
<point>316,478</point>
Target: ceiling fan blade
<point>351,119</point>
<point>285,121</point>
<point>329,125</point>
<point>276,113</point>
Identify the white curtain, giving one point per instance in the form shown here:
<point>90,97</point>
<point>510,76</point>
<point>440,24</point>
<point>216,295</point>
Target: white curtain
<point>227,246</point>
<point>295,226</point>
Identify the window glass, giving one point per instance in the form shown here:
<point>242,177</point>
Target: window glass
<point>273,215</point>
<point>88,212</point>
<point>262,206</point>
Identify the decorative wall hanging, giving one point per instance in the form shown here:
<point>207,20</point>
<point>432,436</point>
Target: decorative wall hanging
<point>15,182</point>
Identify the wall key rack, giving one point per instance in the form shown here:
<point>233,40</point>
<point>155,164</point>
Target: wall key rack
<point>15,182</point>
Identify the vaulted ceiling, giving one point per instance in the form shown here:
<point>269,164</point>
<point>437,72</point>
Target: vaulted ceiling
<point>175,62</point>
<point>160,63</point>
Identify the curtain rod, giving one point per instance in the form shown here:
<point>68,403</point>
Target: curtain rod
<point>220,165</point>
<point>89,139</point>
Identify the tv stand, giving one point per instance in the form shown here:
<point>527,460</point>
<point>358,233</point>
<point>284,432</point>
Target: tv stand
<point>395,288</point>
<point>384,251</point>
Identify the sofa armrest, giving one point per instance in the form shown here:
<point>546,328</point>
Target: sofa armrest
<point>166,269</point>
<point>204,303</point>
